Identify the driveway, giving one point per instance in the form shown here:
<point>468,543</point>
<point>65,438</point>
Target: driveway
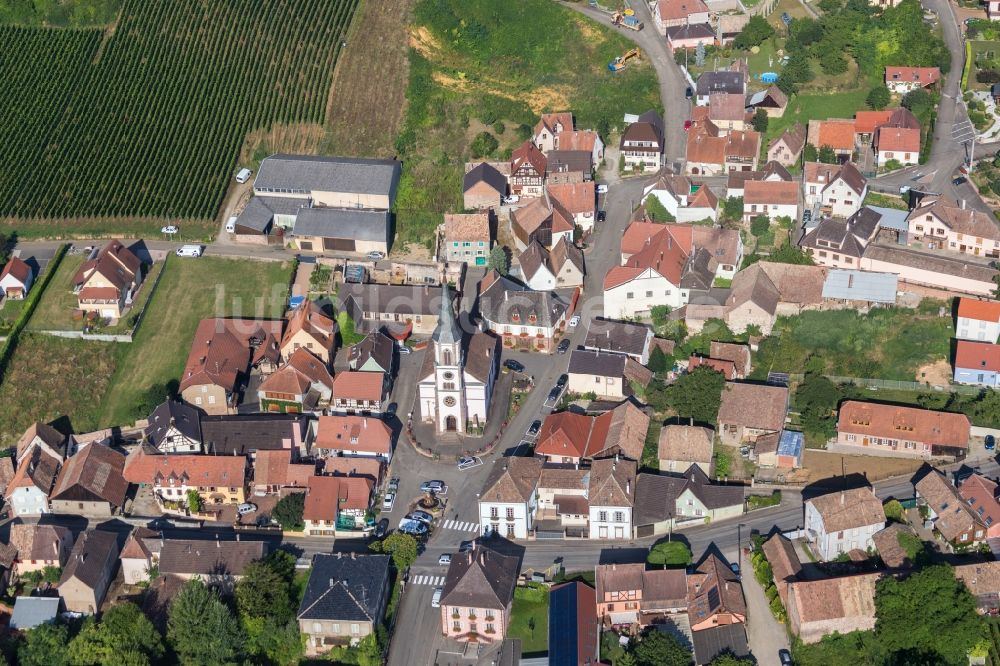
<point>765,635</point>
<point>672,82</point>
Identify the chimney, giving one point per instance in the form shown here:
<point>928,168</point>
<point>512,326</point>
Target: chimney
<point>331,582</point>
<point>628,487</point>
<point>842,498</point>
<point>963,204</point>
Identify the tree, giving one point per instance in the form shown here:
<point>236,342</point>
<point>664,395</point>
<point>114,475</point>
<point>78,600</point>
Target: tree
<point>918,101</point>
<point>484,144</point>
<point>931,613</point>
<point>657,361</point>
<point>194,501</point>
<point>201,629</point>
<point>760,120</point>
<point>402,548</point>
<point>659,314</point>
<point>669,554</point>
<point>288,511</point>
<point>122,629</point>
<point>759,225</point>
<point>827,155</point>
<point>45,645</point>
<point>657,648</point>
<point>264,591</point>
<point>832,62</point>
<point>894,511</point>
<point>499,260</point>
<point>276,644</point>
<point>878,98</point>
<point>809,153</point>
<point>816,399</point>
<point>754,33</point>
<point>729,659</point>
<point>697,395</point>
<point>732,209</point>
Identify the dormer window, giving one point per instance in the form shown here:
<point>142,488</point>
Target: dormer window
<point>515,317</point>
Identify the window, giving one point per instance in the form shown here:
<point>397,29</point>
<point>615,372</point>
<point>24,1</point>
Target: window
<point>494,512</point>
<point>510,530</point>
<point>317,627</point>
<point>619,516</point>
<point>336,628</point>
<point>603,516</point>
<point>510,513</point>
<point>649,294</point>
<point>456,626</point>
<point>630,295</point>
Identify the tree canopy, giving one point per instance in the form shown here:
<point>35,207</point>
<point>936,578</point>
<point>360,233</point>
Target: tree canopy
<point>698,394</point>
<point>929,617</point>
<point>201,629</point>
<point>657,648</point>
<point>123,629</point>
<point>402,548</point>
<point>670,554</point>
<point>878,98</point>
<point>499,260</point>
<point>484,144</point>
<point>816,400</point>
<point>288,510</point>
<point>754,33</point>
<point>45,645</point>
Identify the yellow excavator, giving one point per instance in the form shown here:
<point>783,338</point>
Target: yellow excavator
<point>618,64</point>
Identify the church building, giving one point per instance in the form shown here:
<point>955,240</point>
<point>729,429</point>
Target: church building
<point>457,380</point>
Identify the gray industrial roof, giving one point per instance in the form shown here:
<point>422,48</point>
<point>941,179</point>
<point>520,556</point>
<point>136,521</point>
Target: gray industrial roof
<point>260,211</point>
<point>892,218</point>
<point>860,286</point>
<point>791,443</point>
<point>308,173</point>
<point>29,612</point>
<point>355,223</point>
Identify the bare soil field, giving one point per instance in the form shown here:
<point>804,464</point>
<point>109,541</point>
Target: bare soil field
<point>368,97</point>
<point>824,465</point>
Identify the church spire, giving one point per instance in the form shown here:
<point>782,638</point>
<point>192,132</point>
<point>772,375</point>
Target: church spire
<point>447,331</point>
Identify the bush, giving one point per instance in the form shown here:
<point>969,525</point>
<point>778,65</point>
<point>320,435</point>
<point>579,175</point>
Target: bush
<point>484,144</point>
<point>753,34</point>
<point>759,225</point>
<point>894,511</point>
<point>878,98</point>
<point>892,165</point>
<point>670,554</point>
<point>988,76</point>
<point>288,512</point>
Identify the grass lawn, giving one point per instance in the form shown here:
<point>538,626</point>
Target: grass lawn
<point>58,302</point>
<point>889,343</point>
<point>791,7</point>
<point>190,290</point>
<point>51,377</point>
<point>54,310</point>
<point>807,106</point>
<point>985,55</point>
<point>529,620</point>
<point>885,201</point>
<point>9,312</point>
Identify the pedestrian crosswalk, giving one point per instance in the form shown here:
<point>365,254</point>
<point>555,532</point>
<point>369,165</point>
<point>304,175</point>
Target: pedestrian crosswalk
<point>436,581</point>
<point>461,526</point>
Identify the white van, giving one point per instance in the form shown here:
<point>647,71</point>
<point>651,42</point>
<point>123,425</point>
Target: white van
<point>231,225</point>
<point>436,598</point>
<point>243,176</point>
<point>189,251</point>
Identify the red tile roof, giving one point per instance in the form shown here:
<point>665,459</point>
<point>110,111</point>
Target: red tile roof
<point>980,494</point>
<point>971,355</point>
<point>838,134</point>
<point>222,349</point>
<point>228,471</point>
<point>527,152</point>
<point>353,433</point>
<point>358,385</point>
<point>326,495</point>
<point>771,192</point>
<point>866,122</point>
<point>727,368</point>
<point>971,308</point>
<point>900,139</point>
<point>925,76</point>
<point>16,268</point>
<point>910,423</point>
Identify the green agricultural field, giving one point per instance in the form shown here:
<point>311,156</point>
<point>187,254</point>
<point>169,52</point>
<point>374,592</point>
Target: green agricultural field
<point>145,121</point>
<point>54,378</point>
<point>486,66</point>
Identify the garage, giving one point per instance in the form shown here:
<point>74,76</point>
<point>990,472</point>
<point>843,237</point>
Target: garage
<point>342,230</point>
<point>339,244</point>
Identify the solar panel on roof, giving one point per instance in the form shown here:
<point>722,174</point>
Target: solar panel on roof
<point>563,627</point>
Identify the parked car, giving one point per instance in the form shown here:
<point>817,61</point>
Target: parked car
<point>404,350</point>
<point>381,528</point>
<point>688,92</point>
<point>574,320</point>
<point>393,484</point>
<point>563,346</point>
<point>554,394</point>
<point>376,255</point>
<point>245,508</point>
<point>687,124</point>
<point>990,442</point>
<point>466,546</point>
<point>959,180</point>
<point>511,364</point>
<point>468,462</point>
<point>786,657</point>
<point>231,225</point>
<point>785,18</point>
<point>807,215</point>
<point>169,229</point>
<point>534,428</point>
<point>436,598</point>
<point>736,568</point>
<point>562,381</point>
<point>602,188</point>
<point>602,215</point>
<point>432,486</point>
<point>413,527</point>
<point>189,251</point>
<point>512,199</point>
<point>445,559</point>
<point>421,516</point>
<point>243,175</point>
<point>388,501</point>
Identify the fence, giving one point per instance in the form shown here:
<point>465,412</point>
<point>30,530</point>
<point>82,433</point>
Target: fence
<point>763,8</point>
<point>897,384</point>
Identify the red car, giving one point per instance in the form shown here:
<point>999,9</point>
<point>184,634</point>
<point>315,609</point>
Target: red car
<point>687,125</point>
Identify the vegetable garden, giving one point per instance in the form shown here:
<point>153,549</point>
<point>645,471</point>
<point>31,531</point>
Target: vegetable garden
<point>147,120</point>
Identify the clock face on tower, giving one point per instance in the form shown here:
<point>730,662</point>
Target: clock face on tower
<point>449,401</point>
<point>449,375</point>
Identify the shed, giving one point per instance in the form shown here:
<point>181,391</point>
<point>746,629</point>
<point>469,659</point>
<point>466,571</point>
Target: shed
<point>784,450</point>
<point>30,612</point>
<point>853,285</point>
